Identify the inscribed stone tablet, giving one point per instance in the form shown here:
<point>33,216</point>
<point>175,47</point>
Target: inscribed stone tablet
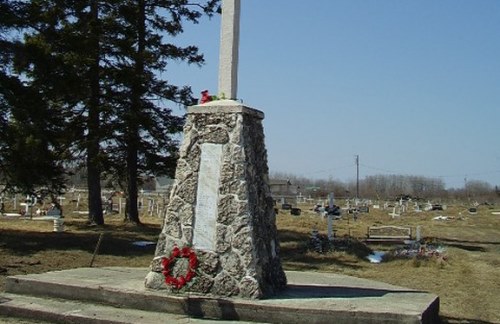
<point>207,197</point>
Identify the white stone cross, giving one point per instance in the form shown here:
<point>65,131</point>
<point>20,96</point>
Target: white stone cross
<point>331,201</point>
<point>229,44</point>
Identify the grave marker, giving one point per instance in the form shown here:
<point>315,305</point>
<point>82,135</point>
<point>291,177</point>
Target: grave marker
<point>331,201</point>
<point>394,214</point>
<point>417,208</point>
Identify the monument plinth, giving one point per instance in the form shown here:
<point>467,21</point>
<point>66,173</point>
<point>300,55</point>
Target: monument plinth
<point>221,207</point>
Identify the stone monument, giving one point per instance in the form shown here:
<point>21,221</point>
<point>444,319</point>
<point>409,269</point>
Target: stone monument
<point>219,236</point>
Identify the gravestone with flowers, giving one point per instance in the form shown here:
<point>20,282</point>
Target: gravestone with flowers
<point>219,235</point>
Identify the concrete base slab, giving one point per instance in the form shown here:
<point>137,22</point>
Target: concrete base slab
<point>66,311</point>
<point>309,298</point>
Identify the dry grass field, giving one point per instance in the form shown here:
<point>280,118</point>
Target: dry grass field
<point>467,278</point>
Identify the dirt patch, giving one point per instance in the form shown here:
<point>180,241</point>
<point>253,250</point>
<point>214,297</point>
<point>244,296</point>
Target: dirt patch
<point>28,246</point>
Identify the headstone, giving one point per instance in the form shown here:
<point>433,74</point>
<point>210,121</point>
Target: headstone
<point>58,225</point>
<point>151,206</point>
<point>120,206</point>
<point>220,210</point>
<point>54,211</point>
<point>28,204</point>
<point>416,208</point>
<point>364,209</point>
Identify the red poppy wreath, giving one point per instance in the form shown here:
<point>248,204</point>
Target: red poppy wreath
<point>168,265</point>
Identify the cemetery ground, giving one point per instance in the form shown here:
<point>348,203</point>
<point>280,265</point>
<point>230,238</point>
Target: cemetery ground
<point>465,275</point>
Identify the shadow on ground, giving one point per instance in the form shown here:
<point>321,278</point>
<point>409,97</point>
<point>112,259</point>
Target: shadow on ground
<point>22,243</point>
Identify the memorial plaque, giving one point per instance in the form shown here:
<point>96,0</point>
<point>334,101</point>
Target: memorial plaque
<point>207,197</point>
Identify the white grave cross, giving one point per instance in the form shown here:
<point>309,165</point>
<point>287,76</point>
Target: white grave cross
<point>229,44</point>
<point>331,201</point>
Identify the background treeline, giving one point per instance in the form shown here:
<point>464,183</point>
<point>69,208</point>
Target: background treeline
<point>390,187</point>
<point>81,86</point>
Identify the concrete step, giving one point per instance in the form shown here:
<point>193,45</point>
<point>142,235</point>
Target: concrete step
<point>66,311</point>
<point>309,298</point>
<point>54,310</point>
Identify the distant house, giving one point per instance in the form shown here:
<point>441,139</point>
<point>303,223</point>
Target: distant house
<point>163,184</point>
<point>283,190</point>
<point>280,187</point>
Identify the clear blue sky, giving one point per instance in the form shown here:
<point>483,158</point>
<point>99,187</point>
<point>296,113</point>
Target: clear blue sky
<point>411,86</point>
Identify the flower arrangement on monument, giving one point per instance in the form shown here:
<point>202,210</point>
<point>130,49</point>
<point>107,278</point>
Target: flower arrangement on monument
<point>180,267</point>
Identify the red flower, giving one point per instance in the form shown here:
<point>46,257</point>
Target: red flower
<point>168,264</point>
<point>181,281</point>
<point>169,280</point>
<point>193,261</point>
<point>165,262</point>
<point>189,275</point>
<point>185,252</point>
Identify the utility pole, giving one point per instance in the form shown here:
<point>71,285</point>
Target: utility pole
<point>357,177</point>
<point>466,190</point>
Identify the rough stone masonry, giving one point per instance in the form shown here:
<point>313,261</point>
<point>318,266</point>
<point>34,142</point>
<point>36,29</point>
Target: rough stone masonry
<point>240,254</point>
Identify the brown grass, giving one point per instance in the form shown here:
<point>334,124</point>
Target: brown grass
<point>467,281</point>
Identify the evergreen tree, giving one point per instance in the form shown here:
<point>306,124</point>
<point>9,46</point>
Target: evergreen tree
<point>92,69</point>
<point>32,154</point>
<point>93,103</point>
<point>67,58</point>
<point>142,142</point>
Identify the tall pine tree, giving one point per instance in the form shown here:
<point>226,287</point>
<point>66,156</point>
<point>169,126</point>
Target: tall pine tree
<point>92,67</point>
<point>32,148</point>
<point>142,142</point>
